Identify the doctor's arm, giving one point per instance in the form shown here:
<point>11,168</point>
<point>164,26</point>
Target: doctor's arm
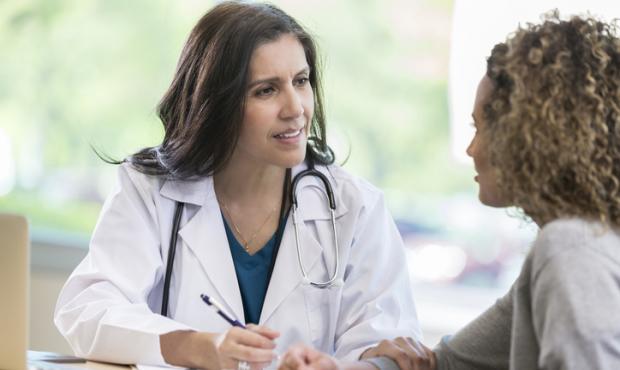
<point>377,298</point>
<point>103,309</point>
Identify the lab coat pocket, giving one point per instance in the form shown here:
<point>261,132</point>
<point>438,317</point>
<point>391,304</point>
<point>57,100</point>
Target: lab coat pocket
<point>322,306</point>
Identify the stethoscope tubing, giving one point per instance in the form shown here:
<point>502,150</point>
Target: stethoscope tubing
<point>294,203</point>
<point>332,207</point>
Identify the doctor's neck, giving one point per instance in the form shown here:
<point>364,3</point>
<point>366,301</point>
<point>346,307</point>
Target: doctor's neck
<point>249,182</point>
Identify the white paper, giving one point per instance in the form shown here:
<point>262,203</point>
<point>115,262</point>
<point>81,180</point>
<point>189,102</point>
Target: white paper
<point>151,367</point>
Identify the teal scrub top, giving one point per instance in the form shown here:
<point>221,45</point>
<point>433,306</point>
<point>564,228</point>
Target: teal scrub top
<point>253,272</point>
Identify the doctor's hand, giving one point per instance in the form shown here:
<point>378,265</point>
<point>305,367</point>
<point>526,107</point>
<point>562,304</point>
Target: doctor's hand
<point>203,350</point>
<point>408,353</point>
<point>302,357</point>
<point>254,345</point>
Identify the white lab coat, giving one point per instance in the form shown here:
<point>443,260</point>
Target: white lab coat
<point>109,308</point>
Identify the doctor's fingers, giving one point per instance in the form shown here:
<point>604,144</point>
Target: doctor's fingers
<point>296,353</point>
<point>320,360</point>
<point>242,352</point>
<point>301,356</point>
<point>258,365</point>
<point>432,358</point>
<point>404,352</point>
<point>264,331</point>
<point>247,337</point>
<point>324,362</point>
<point>420,357</point>
<point>424,357</point>
<point>292,360</point>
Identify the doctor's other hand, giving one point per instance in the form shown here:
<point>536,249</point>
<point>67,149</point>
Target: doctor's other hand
<point>408,353</point>
<point>202,350</point>
<point>302,357</point>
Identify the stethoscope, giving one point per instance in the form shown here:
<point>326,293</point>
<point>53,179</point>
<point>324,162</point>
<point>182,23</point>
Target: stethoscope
<point>310,171</point>
<point>332,209</point>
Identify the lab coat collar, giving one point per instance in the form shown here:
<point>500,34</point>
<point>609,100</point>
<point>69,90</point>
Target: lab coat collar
<point>312,204</point>
<point>189,191</point>
<point>205,235</point>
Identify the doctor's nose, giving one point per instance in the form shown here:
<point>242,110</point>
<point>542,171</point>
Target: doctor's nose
<point>292,104</point>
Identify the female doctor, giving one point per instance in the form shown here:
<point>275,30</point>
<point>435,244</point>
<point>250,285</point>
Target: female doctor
<point>242,117</point>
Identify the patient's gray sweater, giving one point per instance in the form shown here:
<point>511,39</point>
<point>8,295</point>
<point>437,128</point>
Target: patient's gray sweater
<point>563,312</point>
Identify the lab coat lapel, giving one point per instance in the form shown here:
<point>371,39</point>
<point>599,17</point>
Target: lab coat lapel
<point>205,235</point>
<point>312,207</point>
<point>286,274</point>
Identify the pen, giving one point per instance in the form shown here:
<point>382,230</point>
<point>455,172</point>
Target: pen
<point>220,310</point>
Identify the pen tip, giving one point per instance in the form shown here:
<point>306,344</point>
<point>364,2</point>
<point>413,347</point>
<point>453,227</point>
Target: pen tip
<point>205,298</point>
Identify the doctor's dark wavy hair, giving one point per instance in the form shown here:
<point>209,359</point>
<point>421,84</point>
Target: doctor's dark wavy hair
<point>203,109</point>
<point>554,119</point>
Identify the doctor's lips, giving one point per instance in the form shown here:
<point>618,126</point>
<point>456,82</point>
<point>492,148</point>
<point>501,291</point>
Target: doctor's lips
<point>290,136</point>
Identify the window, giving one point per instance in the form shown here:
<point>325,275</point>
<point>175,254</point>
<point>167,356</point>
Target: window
<point>80,75</point>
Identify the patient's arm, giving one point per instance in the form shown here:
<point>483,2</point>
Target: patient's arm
<point>482,344</point>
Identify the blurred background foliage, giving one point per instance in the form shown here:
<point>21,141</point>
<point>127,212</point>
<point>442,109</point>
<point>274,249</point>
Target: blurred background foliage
<point>76,74</point>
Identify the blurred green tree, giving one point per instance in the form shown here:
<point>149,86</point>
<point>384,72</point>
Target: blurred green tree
<point>76,74</point>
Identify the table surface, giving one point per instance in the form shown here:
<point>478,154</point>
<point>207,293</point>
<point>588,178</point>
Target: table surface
<point>36,356</point>
<point>90,365</point>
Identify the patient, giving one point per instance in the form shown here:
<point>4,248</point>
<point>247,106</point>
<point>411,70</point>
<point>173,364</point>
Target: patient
<point>547,118</point>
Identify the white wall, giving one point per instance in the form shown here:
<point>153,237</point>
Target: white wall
<point>477,25</point>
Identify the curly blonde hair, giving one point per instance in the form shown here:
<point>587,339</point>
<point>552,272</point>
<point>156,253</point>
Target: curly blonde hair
<point>554,119</point>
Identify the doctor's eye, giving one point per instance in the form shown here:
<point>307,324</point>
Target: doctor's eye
<point>302,81</point>
<point>264,91</point>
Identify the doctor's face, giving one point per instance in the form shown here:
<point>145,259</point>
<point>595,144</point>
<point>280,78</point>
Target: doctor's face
<point>488,193</point>
<point>279,105</point>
